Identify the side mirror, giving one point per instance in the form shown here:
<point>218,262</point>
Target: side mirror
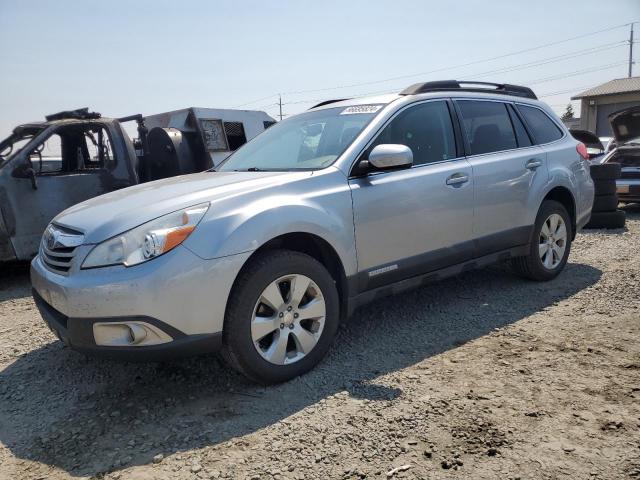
<point>25,170</point>
<point>390,156</point>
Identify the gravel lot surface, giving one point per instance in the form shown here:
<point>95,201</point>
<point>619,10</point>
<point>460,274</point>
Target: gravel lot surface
<point>481,376</point>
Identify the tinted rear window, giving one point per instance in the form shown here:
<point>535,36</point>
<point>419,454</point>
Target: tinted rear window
<point>487,126</point>
<point>543,129</point>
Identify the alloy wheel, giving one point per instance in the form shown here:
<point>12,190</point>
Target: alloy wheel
<point>553,241</point>
<point>288,319</point>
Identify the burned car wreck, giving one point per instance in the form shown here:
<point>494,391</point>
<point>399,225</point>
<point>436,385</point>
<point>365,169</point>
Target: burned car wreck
<point>46,167</point>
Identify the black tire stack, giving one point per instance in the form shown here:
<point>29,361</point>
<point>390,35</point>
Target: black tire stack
<point>605,213</point>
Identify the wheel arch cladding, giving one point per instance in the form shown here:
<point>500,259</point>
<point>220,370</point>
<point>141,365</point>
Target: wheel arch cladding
<point>317,248</point>
<point>564,196</point>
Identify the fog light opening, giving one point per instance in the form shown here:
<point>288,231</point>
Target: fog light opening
<point>137,333</point>
<point>128,334</point>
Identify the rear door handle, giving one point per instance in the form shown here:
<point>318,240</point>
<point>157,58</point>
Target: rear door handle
<point>533,163</point>
<point>457,179</point>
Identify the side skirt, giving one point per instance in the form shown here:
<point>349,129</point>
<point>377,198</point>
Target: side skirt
<point>417,281</point>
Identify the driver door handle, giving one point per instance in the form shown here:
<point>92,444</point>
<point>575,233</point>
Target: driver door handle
<point>457,179</point>
<point>533,163</point>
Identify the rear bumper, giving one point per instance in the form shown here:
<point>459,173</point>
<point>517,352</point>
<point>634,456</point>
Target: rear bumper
<point>628,189</point>
<point>77,333</point>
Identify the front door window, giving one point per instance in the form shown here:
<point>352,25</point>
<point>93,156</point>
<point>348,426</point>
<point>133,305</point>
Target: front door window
<point>73,149</point>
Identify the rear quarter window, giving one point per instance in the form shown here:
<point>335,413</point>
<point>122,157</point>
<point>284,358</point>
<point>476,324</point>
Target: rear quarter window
<point>543,129</point>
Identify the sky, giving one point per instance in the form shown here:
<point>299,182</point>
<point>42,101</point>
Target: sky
<point>121,57</point>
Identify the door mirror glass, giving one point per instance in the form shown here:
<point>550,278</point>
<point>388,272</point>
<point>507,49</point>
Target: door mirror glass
<point>390,155</point>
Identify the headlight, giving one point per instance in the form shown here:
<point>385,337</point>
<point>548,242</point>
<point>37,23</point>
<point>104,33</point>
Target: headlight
<point>147,241</point>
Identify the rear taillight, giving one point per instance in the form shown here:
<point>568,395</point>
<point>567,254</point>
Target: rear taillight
<point>582,151</point>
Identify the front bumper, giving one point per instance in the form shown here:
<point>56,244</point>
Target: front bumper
<point>178,295</point>
<point>78,334</point>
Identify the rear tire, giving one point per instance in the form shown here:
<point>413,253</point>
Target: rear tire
<point>608,220</point>
<point>604,187</point>
<point>605,171</point>
<point>550,244</point>
<point>605,203</point>
<point>263,299</point>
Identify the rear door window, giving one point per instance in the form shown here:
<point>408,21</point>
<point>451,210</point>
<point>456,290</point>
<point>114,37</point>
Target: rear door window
<point>487,126</point>
<point>98,153</point>
<point>46,158</point>
<point>543,129</point>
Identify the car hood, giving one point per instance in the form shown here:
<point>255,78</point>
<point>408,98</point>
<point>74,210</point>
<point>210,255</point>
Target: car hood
<point>625,124</point>
<point>108,215</point>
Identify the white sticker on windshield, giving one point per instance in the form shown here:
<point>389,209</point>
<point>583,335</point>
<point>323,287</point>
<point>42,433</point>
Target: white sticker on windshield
<point>361,109</point>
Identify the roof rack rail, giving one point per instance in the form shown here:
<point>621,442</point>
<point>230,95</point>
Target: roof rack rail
<point>327,102</point>
<point>469,86</point>
<point>78,113</point>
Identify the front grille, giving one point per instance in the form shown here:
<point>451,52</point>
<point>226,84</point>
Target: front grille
<point>58,247</point>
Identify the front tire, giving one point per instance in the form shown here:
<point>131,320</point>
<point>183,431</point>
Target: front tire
<point>282,315</point>
<point>550,244</point>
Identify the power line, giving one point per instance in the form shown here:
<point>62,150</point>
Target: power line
<point>533,82</point>
<point>531,49</point>
<point>558,58</point>
<point>587,51</point>
<point>255,101</point>
<point>562,92</point>
<point>576,73</point>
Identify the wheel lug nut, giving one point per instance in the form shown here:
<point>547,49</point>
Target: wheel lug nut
<point>295,315</point>
<point>291,326</point>
<point>282,325</point>
<point>281,314</point>
<point>289,308</point>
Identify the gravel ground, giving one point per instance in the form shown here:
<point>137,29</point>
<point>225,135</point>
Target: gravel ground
<point>481,376</point>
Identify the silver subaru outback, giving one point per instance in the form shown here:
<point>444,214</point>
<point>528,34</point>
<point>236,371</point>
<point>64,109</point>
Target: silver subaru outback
<point>261,257</point>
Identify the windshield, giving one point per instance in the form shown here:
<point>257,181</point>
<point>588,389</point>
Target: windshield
<point>16,142</point>
<point>308,141</point>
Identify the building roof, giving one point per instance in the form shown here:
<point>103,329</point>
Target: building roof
<point>619,85</point>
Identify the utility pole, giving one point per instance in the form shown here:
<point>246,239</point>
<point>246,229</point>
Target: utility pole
<point>631,52</point>
<point>280,96</point>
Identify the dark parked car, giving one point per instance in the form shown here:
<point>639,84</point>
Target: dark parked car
<point>626,130</point>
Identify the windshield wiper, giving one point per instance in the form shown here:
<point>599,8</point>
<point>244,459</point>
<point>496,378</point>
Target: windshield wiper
<point>250,169</point>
